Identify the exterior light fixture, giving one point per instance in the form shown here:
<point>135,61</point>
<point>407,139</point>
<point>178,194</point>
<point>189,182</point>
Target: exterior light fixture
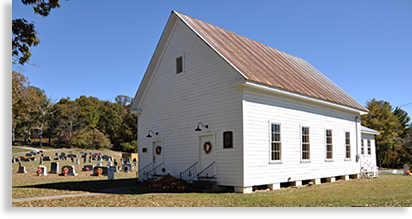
<point>148,134</point>
<point>198,127</point>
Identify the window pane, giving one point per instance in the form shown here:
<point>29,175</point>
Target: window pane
<point>179,64</point>
<point>329,140</point>
<point>276,144</point>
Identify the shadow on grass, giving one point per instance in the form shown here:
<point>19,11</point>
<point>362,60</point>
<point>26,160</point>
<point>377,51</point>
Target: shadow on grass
<point>116,186</point>
<point>88,186</point>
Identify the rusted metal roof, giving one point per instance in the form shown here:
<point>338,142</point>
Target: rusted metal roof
<point>263,64</point>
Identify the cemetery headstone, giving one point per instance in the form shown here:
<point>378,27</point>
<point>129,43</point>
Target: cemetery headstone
<point>43,171</point>
<point>99,163</point>
<point>110,173</point>
<point>105,157</point>
<point>88,168</point>
<point>47,158</point>
<point>77,161</point>
<point>115,169</point>
<point>57,154</point>
<point>22,169</point>
<point>128,160</point>
<point>127,167</point>
<point>405,168</point>
<point>109,163</point>
<point>103,169</point>
<point>54,167</point>
<point>41,160</point>
<point>69,170</point>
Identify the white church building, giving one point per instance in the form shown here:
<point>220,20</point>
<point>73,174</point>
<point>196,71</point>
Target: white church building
<point>213,104</point>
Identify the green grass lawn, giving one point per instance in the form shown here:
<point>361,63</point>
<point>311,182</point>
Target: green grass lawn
<point>387,190</point>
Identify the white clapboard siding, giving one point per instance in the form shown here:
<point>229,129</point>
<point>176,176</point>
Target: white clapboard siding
<point>261,108</point>
<point>212,92</point>
<point>370,158</point>
<point>174,104</point>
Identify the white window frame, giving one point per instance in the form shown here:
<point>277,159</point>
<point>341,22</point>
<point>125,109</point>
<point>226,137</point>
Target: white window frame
<point>183,65</point>
<point>362,146</point>
<point>326,145</point>
<point>301,144</point>
<point>270,143</point>
<point>369,145</point>
<point>346,146</point>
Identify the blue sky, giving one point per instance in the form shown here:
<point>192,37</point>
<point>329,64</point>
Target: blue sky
<point>102,48</point>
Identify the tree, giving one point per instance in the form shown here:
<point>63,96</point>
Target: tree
<point>69,119</point>
<point>44,106</point>
<point>24,34</point>
<point>403,152</point>
<point>19,104</point>
<point>382,119</point>
<point>393,145</point>
<point>24,103</point>
<point>129,146</point>
<point>405,127</point>
<point>89,111</point>
<point>92,139</point>
<point>123,100</point>
<point>110,118</point>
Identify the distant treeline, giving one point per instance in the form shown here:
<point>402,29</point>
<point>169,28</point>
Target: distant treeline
<point>85,122</point>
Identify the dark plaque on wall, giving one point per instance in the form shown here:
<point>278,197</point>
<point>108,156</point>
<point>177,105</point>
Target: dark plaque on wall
<point>228,139</point>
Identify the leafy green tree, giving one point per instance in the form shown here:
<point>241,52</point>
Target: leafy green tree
<point>91,139</point>
<point>123,100</point>
<point>405,127</point>
<point>129,146</point>
<point>44,107</point>
<point>382,119</point>
<point>24,34</point>
<point>24,98</point>
<point>393,145</point>
<point>69,119</point>
<point>403,149</point>
<point>89,111</point>
<point>110,115</point>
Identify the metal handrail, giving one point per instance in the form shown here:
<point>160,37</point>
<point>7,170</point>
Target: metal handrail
<point>193,167</point>
<point>206,168</point>
<point>149,172</point>
<point>138,171</point>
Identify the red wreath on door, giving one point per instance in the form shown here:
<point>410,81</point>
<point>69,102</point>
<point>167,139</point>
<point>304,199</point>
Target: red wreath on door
<point>158,150</point>
<point>207,147</point>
